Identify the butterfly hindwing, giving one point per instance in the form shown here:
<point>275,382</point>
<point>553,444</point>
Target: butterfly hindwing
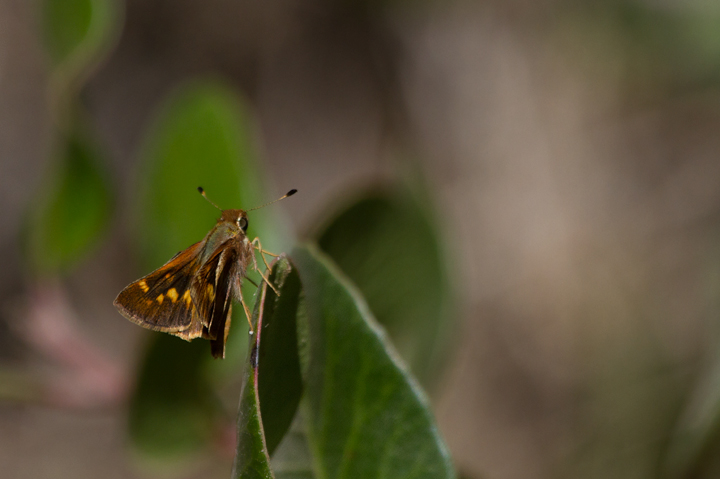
<point>220,323</point>
<point>162,301</point>
<point>213,288</point>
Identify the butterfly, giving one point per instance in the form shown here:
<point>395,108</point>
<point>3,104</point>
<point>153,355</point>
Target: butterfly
<point>191,295</point>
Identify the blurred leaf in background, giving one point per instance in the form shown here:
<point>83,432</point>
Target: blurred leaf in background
<point>69,213</point>
<point>74,205</point>
<point>78,34</point>
<point>678,42</point>
<point>204,136</point>
<point>173,411</point>
<point>388,244</point>
<point>73,209</point>
<point>658,50</point>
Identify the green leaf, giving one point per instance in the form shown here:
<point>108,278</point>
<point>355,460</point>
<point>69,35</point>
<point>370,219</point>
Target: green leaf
<point>203,137</point>
<point>280,384</point>
<point>172,411</point>
<point>72,212</point>
<point>78,32</point>
<point>272,385</point>
<point>66,24</point>
<point>389,247</point>
<point>252,460</point>
<point>366,416</point>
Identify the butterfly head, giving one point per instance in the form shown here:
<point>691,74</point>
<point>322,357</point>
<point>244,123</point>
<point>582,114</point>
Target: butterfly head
<point>236,218</point>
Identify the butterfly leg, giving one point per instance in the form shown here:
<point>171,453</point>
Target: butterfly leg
<point>256,244</point>
<point>266,279</point>
<point>255,265</point>
<point>247,311</point>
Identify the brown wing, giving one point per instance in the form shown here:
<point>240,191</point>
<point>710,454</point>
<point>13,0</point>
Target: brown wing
<point>213,294</point>
<point>162,301</point>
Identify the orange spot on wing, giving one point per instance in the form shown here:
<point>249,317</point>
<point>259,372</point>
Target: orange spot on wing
<point>172,294</point>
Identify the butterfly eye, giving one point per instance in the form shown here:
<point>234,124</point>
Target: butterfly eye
<point>243,224</point>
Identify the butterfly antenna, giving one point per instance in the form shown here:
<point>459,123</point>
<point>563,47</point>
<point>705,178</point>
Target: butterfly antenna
<point>289,193</point>
<point>202,192</point>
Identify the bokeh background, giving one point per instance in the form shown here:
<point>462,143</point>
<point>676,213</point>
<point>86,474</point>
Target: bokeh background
<point>572,153</point>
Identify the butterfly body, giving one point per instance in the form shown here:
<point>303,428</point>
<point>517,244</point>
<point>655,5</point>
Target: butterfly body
<point>191,295</point>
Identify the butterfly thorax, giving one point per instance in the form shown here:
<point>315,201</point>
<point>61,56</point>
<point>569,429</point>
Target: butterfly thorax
<point>229,226</point>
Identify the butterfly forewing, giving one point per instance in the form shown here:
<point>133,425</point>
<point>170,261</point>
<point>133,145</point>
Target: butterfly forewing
<point>162,300</point>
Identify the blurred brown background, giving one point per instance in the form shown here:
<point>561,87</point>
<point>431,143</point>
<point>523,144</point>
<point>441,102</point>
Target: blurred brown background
<point>573,152</point>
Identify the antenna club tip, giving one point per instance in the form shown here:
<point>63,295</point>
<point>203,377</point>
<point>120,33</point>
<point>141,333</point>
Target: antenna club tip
<point>200,190</point>
<point>291,192</point>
